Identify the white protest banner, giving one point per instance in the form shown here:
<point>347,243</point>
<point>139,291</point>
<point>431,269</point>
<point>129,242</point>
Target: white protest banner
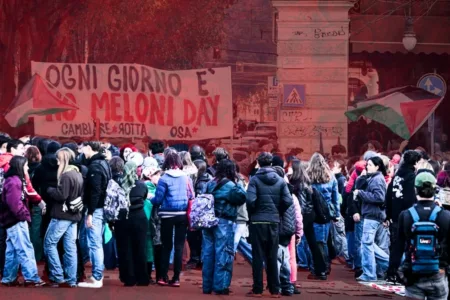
<point>133,100</point>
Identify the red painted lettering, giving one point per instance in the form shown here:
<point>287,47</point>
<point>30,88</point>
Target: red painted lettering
<point>203,113</point>
<point>126,109</point>
<point>189,106</point>
<point>141,107</point>
<point>114,106</point>
<point>215,108</point>
<point>157,111</point>
<point>102,103</point>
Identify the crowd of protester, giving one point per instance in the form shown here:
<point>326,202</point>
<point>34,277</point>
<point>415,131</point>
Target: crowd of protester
<point>64,204</point>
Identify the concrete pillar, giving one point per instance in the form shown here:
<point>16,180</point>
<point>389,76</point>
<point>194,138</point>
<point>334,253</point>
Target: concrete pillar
<point>312,45</point>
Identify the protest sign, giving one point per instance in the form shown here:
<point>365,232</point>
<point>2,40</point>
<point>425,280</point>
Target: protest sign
<point>133,100</point>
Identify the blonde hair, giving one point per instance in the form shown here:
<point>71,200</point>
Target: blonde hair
<point>319,171</point>
<point>186,159</point>
<point>64,156</point>
<point>423,164</point>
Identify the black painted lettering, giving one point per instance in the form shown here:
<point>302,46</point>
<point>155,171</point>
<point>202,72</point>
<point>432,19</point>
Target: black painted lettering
<point>201,83</point>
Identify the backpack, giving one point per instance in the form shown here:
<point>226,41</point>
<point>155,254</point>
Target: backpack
<point>202,215</point>
<point>116,202</point>
<point>287,222</point>
<point>424,249</point>
<point>324,211</point>
<point>2,179</point>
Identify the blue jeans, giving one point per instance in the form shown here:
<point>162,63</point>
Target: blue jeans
<point>67,230</point>
<point>94,237</point>
<point>246,249</point>
<point>284,269</point>
<point>373,257</point>
<point>321,232</point>
<point>82,236</point>
<point>218,256</point>
<point>339,238</point>
<point>358,237</point>
<point>351,248</point>
<point>304,254</point>
<point>19,251</point>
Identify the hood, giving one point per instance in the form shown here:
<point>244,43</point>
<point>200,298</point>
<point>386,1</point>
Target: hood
<point>72,168</point>
<point>117,177</point>
<point>175,173</point>
<point>190,170</point>
<point>97,156</point>
<point>49,161</point>
<point>268,176</point>
<point>5,159</point>
<point>360,166</point>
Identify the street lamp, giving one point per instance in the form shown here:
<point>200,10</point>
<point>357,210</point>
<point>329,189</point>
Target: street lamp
<point>409,37</point>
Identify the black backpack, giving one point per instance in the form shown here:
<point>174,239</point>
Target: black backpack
<point>321,208</point>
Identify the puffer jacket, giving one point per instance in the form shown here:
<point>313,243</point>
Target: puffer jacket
<point>268,196</point>
<point>305,198</point>
<point>32,196</point>
<point>70,187</point>
<point>287,226</point>
<point>373,198</point>
<point>172,193</point>
<point>227,198</point>
<point>45,176</point>
<point>137,195</point>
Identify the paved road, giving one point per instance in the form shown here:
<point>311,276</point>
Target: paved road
<point>340,285</point>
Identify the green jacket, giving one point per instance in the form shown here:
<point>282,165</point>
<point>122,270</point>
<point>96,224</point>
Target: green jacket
<point>148,212</point>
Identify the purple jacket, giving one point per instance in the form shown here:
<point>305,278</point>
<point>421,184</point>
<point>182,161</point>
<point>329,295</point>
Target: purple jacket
<point>13,206</point>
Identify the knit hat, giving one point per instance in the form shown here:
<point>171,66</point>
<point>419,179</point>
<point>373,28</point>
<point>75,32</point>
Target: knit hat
<point>369,154</point>
<point>150,162</point>
<point>53,147</point>
<point>150,167</point>
<point>423,177</point>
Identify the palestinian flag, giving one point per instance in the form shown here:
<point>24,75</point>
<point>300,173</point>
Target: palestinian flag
<point>403,110</point>
<point>35,98</point>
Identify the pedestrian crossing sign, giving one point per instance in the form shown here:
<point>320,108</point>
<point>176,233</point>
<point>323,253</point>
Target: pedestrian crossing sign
<point>294,95</point>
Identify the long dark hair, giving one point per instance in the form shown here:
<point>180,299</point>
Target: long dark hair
<point>226,169</point>
<point>201,167</point>
<point>16,167</point>
<point>377,161</point>
<point>299,178</point>
<point>172,161</point>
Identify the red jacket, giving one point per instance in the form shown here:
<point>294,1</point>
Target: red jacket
<point>359,167</point>
<point>32,195</point>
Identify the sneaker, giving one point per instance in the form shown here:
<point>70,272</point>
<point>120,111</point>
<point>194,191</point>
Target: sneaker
<point>297,291</point>
<point>286,293</point>
<point>361,279</point>
<point>225,292</point>
<point>162,282</point>
<point>62,285</point>
<point>358,273</point>
<point>253,295</point>
<point>11,284</point>
<point>34,283</point>
<point>92,283</point>
<point>174,283</point>
<point>392,280</point>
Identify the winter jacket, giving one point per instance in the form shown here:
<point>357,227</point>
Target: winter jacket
<point>355,207</point>
<point>148,208</point>
<point>45,176</point>
<point>137,195</point>
<point>373,198</point>
<point>287,222</point>
<point>99,174</point>
<point>212,170</point>
<point>201,184</point>
<point>330,193</point>
<point>305,198</point>
<point>401,193</point>
<point>13,206</point>
<point>32,168</point>
<point>298,217</point>
<point>242,214</point>
<point>173,193</point>
<point>155,219</point>
<point>227,199</point>
<point>32,196</point>
<point>268,196</point>
<point>70,187</point>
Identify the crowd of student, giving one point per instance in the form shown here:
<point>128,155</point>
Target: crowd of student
<point>57,201</point>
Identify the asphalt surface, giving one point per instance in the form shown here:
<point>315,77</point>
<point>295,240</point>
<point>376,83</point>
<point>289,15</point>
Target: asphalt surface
<point>340,285</point>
